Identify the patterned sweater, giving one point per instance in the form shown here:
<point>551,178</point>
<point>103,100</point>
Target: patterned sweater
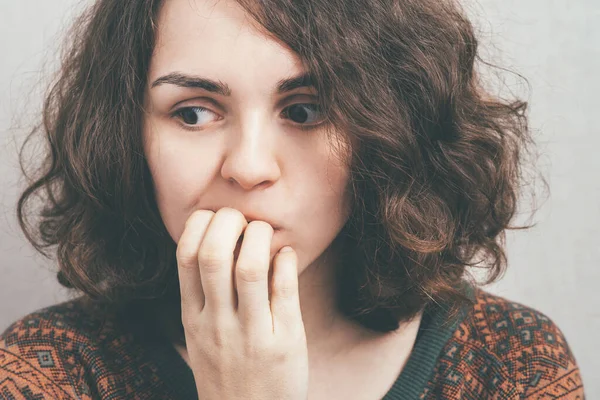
<point>495,349</point>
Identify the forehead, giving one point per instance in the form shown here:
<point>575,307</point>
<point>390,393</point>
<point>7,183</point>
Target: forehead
<point>217,38</point>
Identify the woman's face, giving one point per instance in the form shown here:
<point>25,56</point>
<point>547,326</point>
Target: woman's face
<point>238,143</point>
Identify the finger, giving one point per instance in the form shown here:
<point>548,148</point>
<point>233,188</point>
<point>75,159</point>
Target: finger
<point>215,259</point>
<point>285,300</point>
<point>251,276</point>
<point>190,283</point>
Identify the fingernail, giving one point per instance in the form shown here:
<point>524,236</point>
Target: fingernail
<point>286,249</point>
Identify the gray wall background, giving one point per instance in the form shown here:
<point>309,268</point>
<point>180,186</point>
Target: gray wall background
<point>552,267</point>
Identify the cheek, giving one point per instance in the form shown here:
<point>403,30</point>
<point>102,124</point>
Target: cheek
<point>326,211</point>
<point>336,189</point>
<point>176,187</point>
<point>169,192</point>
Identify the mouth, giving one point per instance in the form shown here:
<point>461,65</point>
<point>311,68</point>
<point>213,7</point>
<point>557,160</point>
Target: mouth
<point>275,228</point>
<point>249,219</point>
<point>252,217</point>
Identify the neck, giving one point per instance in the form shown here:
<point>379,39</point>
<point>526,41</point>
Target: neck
<point>325,327</point>
<point>328,331</point>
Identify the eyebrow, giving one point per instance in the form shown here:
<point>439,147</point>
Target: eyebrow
<point>218,87</point>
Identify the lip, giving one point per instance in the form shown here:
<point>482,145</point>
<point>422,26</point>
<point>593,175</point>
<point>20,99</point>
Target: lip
<point>252,217</point>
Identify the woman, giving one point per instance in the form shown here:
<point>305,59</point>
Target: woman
<point>192,142</point>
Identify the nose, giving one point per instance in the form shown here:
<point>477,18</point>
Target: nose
<point>250,157</point>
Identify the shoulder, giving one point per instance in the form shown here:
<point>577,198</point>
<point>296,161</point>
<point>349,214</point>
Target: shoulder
<point>42,353</point>
<point>505,348</point>
<point>65,325</point>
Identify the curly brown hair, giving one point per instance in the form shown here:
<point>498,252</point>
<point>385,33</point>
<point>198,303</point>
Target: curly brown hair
<point>435,159</point>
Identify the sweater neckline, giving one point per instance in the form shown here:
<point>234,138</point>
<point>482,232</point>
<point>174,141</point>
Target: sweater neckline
<point>434,332</point>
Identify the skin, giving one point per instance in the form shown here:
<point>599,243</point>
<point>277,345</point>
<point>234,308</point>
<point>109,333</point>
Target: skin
<point>246,152</point>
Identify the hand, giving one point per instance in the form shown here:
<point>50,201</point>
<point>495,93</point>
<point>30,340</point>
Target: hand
<point>240,345</point>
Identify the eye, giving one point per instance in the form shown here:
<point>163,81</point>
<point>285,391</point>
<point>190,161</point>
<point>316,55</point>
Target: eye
<point>304,114</point>
<point>192,115</point>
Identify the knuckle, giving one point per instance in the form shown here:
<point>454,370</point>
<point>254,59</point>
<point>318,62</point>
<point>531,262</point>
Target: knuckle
<point>285,290</point>
<point>219,338</point>
<point>281,352</point>
<point>191,322</point>
<point>256,347</point>
<point>211,258</point>
<point>222,331</point>
<point>248,274</point>
<point>186,257</point>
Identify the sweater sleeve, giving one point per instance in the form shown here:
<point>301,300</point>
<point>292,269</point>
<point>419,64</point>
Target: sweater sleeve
<point>66,351</point>
<point>553,371</point>
<point>504,349</point>
<point>36,362</point>
<point>23,377</point>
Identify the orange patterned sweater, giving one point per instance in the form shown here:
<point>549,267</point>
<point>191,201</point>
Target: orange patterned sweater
<point>495,349</point>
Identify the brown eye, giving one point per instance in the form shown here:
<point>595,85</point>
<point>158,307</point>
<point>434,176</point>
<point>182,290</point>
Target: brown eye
<point>303,113</point>
<point>192,115</point>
